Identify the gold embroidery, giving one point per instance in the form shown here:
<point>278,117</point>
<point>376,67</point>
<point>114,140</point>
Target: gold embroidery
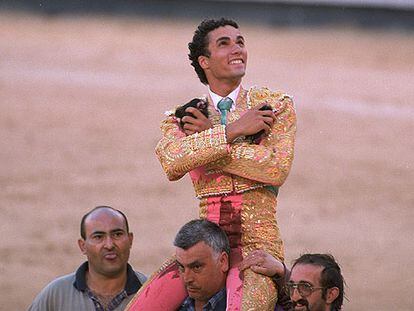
<point>243,166</point>
<point>260,231</point>
<point>236,169</point>
<point>259,292</point>
<point>271,160</point>
<point>208,187</point>
<point>179,154</point>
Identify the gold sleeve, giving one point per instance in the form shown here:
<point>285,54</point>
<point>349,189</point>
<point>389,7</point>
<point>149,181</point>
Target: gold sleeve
<point>180,154</point>
<point>271,160</point>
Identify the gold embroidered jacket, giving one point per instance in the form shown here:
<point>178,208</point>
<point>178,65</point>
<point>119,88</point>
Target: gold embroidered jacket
<point>218,168</point>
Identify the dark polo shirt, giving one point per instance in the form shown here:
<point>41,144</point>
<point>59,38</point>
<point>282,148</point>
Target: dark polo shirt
<point>70,292</point>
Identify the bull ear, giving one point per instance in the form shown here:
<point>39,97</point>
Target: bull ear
<point>203,107</point>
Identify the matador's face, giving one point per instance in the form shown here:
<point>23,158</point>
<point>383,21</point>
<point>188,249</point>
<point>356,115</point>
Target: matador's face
<point>228,56</point>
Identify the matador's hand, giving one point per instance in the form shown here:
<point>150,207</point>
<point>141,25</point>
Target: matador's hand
<point>197,124</point>
<point>253,121</point>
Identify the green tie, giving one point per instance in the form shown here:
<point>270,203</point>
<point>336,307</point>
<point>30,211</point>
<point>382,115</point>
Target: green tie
<point>224,105</point>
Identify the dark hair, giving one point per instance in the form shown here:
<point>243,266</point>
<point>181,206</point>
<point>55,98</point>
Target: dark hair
<point>201,230</point>
<point>330,276</point>
<point>199,45</point>
<point>82,224</point>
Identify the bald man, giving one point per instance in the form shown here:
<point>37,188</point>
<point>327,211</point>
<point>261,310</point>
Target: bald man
<point>105,281</point>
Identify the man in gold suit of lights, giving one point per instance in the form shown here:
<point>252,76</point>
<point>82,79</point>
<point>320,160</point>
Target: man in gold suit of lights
<point>236,178</point>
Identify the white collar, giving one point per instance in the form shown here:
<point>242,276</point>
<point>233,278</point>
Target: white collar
<point>216,98</point>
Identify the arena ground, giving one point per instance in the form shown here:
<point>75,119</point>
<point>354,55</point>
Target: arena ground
<point>81,102</point>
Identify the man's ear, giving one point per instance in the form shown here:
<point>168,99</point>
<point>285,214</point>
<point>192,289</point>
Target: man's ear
<point>131,239</point>
<point>203,61</point>
<point>81,243</point>
<point>224,262</point>
<point>331,294</point>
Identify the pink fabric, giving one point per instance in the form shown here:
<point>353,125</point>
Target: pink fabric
<point>226,212</point>
<point>234,282</point>
<point>165,292</point>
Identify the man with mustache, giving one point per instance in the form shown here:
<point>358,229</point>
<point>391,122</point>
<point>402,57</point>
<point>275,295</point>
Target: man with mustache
<point>106,282</point>
<point>315,282</point>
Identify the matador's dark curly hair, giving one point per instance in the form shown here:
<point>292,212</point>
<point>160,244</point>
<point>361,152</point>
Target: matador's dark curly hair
<point>199,45</point>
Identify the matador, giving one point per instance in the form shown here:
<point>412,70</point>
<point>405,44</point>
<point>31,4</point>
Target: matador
<point>236,179</point>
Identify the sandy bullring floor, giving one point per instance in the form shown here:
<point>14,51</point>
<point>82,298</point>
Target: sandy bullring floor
<point>81,100</point>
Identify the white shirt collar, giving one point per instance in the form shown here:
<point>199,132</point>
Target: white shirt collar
<point>216,98</point>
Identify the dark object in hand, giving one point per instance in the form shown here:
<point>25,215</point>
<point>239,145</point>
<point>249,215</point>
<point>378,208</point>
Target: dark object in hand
<point>198,103</point>
<point>255,137</point>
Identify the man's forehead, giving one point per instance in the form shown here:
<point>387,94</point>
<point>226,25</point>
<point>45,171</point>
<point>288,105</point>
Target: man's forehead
<point>306,273</point>
<point>198,252</point>
<point>223,32</point>
<point>104,220</point>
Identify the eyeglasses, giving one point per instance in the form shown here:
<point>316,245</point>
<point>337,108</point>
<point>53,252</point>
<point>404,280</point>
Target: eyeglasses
<point>304,289</point>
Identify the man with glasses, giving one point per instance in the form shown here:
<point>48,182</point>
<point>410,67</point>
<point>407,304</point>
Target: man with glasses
<point>315,282</point>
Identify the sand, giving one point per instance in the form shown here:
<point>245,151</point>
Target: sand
<point>81,99</point>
